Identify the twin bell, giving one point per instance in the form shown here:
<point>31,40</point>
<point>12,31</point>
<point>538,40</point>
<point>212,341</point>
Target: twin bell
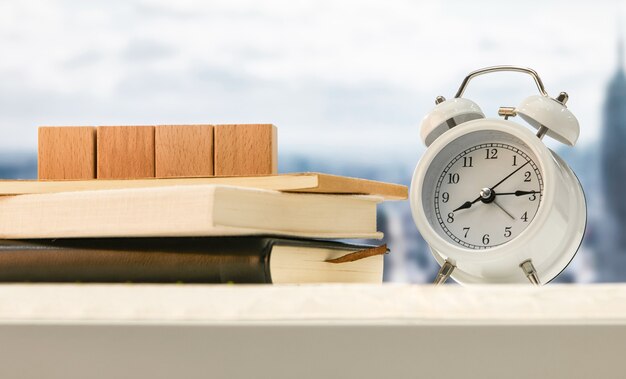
<point>548,115</point>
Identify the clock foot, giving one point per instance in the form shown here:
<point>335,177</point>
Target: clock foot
<point>530,272</point>
<point>444,272</point>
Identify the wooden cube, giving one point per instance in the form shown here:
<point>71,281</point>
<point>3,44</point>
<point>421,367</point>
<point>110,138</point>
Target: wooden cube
<point>66,152</point>
<point>125,152</point>
<point>183,150</point>
<point>245,150</point>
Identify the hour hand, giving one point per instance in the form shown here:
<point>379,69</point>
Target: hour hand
<point>522,193</point>
<point>467,204</point>
<point>517,193</point>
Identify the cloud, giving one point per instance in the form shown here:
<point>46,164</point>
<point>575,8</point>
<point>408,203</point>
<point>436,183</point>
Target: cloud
<point>82,60</point>
<point>324,70</point>
<point>143,50</point>
<point>165,11</point>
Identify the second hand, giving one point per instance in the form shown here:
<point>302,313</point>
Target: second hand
<point>504,210</point>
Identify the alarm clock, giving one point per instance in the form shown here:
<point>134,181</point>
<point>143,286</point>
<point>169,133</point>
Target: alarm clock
<point>493,202</point>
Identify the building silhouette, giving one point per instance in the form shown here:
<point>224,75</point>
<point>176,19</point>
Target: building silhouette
<point>610,254</point>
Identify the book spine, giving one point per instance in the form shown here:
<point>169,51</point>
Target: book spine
<point>137,260</point>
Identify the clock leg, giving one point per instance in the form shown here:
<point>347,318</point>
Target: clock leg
<point>444,272</point>
<point>530,272</point>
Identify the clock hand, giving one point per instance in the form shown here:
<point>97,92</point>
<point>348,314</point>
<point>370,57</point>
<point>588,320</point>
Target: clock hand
<point>508,176</point>
<point>504,210</point>
<point>486,195</point>
<point>517,193</point>
<point>467,204</point>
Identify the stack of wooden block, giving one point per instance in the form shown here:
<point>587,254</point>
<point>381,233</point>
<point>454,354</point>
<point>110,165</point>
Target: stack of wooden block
<point>133,152</point>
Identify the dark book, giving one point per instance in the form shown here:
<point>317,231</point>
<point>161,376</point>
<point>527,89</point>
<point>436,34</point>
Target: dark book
<point>189,260</point>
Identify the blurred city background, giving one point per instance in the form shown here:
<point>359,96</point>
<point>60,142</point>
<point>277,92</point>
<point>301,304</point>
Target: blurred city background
<point>346,82</point>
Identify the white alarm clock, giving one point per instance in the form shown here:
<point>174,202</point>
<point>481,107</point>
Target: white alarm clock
<point>492,201</point>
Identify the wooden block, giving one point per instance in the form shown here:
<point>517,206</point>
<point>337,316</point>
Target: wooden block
<point>243,150</point>
<point>125,152</point>
<point>183,150</point>
<point>66,152</point>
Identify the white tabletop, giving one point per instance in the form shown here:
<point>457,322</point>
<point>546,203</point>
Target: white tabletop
<point>249,331</point>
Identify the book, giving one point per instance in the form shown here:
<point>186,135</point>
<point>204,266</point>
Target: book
<point>296,182</point>
<point>178,211</point>
<point>190,260</point>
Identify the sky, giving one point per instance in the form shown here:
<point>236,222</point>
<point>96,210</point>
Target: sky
<point>352,78</point>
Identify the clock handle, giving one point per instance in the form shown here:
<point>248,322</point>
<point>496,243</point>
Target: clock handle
<point>549,116</point>
<point>491,69</point>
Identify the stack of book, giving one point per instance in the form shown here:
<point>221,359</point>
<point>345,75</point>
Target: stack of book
<point>260,229</point>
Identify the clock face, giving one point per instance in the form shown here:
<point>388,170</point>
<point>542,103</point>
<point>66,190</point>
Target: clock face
<point>483,189</point>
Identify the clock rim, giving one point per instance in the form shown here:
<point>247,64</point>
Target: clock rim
<point>434,239</point>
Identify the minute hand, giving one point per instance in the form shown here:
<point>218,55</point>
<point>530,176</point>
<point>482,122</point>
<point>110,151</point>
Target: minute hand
<point>511,174</point>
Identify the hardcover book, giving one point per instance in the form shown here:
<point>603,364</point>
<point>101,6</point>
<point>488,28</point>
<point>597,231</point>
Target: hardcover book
<point>190,260</point>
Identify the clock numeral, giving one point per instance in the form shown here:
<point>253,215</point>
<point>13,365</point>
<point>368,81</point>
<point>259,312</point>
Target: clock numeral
<point>515,160</point>
<point>533,197</point>
<point>467,162</point>
<point>450,218</point>
<point>453,178</point>
<point>527,176</point>
<point>486,239</point>
<point>507,231</point>
<point>491,153</point>
<point>445,197</point>
<point>524,217</point>
<point>466,230</point>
